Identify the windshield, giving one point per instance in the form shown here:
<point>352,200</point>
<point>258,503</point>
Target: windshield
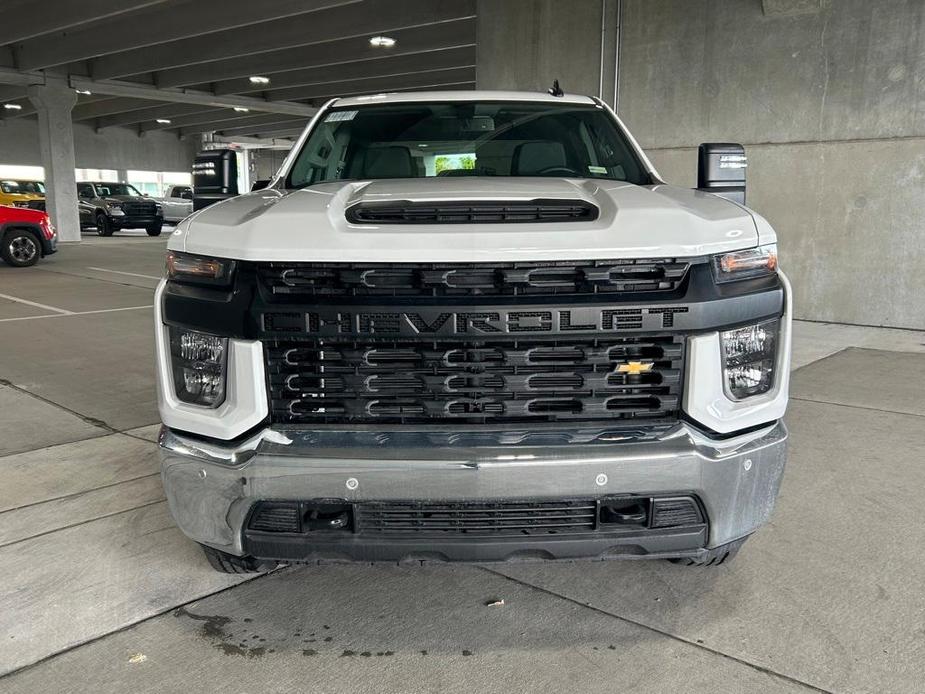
<point>22,187</point>
<point>107,189</point>
<point>414,140</point>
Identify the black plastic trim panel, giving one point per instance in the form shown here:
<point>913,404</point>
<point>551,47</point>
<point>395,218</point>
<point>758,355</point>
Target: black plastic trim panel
<point>247,311</point>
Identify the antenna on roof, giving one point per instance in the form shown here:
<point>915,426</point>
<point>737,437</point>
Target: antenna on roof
<point>556,90</point>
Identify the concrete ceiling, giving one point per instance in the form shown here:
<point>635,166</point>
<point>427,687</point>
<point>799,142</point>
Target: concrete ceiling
<point>188,61</point>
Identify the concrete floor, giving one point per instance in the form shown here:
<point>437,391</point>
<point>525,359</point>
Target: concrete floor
<point>99,591</point>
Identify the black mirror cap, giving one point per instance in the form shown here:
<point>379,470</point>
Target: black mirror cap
<point>721,170</point>
<point>261,184</point>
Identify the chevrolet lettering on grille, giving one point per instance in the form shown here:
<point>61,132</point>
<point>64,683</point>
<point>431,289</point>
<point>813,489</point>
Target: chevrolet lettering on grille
<point>487,322</point>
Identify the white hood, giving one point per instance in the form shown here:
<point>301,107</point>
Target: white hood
<point>309,224</point>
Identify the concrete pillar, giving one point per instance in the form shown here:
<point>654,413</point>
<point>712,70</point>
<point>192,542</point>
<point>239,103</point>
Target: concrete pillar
<point>526,44</point>
<point>53,102</point>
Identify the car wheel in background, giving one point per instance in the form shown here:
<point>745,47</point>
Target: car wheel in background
<point>154,230</point>
<point>21,248</point>
<point>103,225</point>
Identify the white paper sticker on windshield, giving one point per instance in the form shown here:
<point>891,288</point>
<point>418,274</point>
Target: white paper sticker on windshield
<point>340,115</point>
<point>597,169</point>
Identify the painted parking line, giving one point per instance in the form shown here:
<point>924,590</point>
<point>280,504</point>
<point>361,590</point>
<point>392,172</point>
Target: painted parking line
<point>61,311</point>
<point>122,272</point>
<point>75,313</point>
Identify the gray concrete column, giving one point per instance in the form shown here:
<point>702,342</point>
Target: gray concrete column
<point>54,101</point>
<point>526,44</point>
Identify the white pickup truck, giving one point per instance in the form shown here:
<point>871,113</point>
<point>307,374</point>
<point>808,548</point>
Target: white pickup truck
<point>473,326</point>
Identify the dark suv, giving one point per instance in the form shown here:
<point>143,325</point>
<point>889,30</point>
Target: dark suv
<point>112,206</point>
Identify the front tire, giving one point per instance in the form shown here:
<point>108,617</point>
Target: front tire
<point>154,229</point>
<point>103,225</point>
<point>230,564</point>
<point>20,248</point>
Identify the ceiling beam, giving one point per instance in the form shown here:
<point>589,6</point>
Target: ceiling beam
<point>150,26</point>
<point>270,128</point>
<point>387,66</point>
<point>188,96</point>
<point>255,142</point>
<point>418,41</point>
<point>26,20</point>
<point>10,75</point>
<point>452,86</point>
<point>144,115</point>
<point>215,116</point>
<point>106,106</point>
<point>254,123</point>
<point>418,80</point>
<point>377,16</point>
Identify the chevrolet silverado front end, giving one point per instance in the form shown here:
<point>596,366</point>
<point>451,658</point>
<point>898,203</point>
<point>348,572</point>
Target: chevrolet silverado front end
<point>471,326</point>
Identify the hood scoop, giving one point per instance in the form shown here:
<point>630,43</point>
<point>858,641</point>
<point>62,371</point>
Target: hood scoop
<point>471,211</point>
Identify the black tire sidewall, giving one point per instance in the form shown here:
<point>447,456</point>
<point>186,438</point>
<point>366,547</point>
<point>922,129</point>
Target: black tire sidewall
<point>8,238</point>
<point>154,230</point>
<point>103,227</point>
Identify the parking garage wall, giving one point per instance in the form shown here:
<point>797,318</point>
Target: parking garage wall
<point>112,148</point>
<point>828,97</point>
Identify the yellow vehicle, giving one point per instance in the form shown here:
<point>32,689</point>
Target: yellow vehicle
<point>21,193</point>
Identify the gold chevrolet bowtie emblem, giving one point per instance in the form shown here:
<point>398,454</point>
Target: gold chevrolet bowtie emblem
<point>634,368</point>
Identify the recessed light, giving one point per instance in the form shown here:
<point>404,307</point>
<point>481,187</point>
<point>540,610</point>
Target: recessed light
<point>382,41</point>
<point>259,79</point>
<point>163,121</point>
<point>12,107</point>
<point>241,109</point>
<point>85,92</point>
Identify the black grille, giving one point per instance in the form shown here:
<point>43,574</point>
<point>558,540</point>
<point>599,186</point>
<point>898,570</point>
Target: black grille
<point>477,518</point>
<point>319,280</point>
<point>276,519</point>
<point>672,512</point>
<point>340,380</point>
<point>467,212</point>
<point>36,205</point>
<point>138,209</point>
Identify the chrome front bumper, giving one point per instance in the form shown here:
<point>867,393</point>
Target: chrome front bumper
<point>212,487</point>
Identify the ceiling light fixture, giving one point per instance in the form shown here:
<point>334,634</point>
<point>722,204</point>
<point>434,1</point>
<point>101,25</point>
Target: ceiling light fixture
<point>163,121</point>
<point>259,79</point>
<point>85,92</point>
<point>382,41</point>
<point>12,107</point>
<point>241,109</point>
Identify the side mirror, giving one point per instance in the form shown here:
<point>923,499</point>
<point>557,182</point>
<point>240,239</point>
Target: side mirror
<point>721,170</point>
<point>260,185</point>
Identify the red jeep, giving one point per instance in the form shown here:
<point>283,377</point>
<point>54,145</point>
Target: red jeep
<point>25,236</point>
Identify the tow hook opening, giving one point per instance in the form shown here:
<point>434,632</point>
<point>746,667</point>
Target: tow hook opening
<point>326,517</point>
<point>624,512</point>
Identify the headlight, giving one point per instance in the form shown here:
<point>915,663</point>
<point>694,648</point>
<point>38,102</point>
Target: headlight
<point>740,265</point>
<point>749,359</point>
<point>184,267</point>
<point>198,361</point>
<point>115,206</point>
